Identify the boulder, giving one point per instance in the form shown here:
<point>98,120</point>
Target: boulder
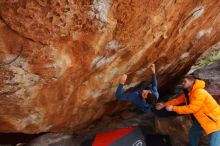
<point>60,61</point>
<point>176,127</point>
<point>211,75</point>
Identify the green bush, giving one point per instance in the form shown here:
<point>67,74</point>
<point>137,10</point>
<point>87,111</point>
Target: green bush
<point>209,58</point>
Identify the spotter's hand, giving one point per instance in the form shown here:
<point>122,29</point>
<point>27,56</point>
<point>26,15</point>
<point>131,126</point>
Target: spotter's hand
<point>169,108</point>
<point>160,106</point>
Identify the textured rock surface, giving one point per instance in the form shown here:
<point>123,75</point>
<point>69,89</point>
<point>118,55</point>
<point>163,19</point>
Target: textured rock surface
<point>211,74</point>
<point>60,61</point>
<point>176,127</point>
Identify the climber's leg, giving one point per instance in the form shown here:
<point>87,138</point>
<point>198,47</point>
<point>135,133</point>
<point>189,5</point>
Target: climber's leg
<point>194,133</point>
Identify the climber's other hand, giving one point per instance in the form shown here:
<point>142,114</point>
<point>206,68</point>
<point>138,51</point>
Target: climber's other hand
<point>153,68</point>
<point>123,79</point>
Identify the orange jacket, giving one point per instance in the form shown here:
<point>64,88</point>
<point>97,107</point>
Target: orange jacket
<point>202,105</point>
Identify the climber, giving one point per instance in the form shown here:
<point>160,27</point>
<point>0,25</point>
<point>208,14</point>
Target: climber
<point>203,108</point>
<point>145,96</point>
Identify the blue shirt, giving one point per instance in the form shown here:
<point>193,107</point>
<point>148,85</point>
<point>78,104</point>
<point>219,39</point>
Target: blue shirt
<point>136,97</point>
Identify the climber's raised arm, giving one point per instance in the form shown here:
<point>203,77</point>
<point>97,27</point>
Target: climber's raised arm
<point>119,92</point>
<point>154,77</point>
<point>154,81</point>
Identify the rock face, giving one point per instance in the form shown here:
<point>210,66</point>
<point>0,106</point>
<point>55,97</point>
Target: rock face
<point>60,61</point>
<point>211,74</point>
<point>176,127</point>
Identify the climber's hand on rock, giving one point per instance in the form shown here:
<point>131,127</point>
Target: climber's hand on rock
<point>153,68</point>
<point>169,108</point>
<point>123,79</point>
<point>160,106</point>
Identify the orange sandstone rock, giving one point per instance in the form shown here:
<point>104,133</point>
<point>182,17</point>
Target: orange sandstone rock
<point>61,60</point>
